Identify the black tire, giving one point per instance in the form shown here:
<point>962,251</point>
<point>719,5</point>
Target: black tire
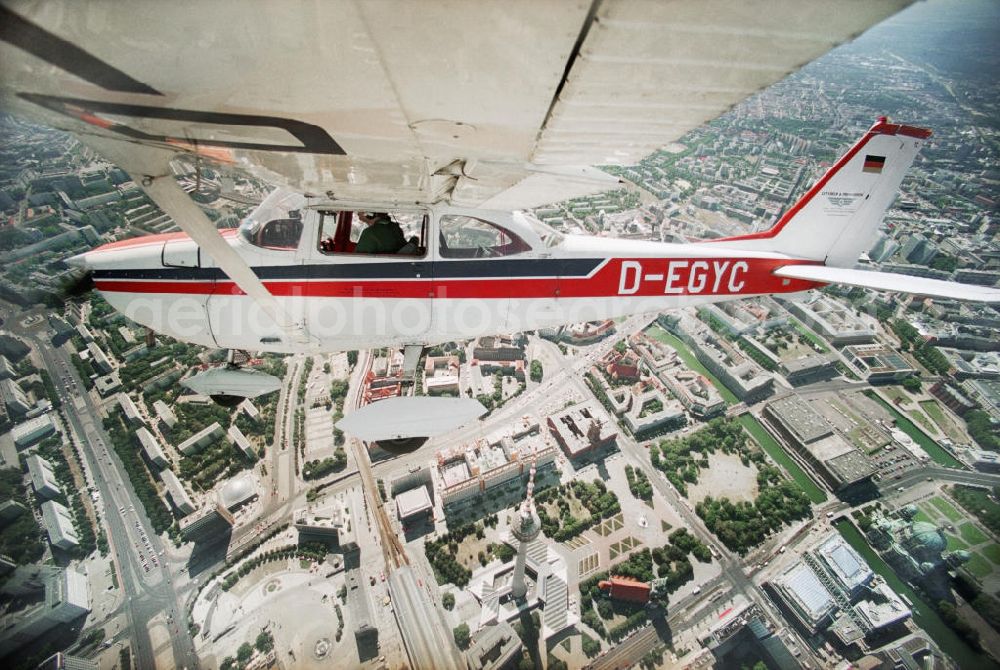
<point>404,445</point>
<point>227,400</point>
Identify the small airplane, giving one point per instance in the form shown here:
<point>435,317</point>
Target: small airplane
<point>453,120</point>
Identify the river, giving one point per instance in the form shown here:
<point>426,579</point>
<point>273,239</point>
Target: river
<point>771,446</point>
<point>933,449</point>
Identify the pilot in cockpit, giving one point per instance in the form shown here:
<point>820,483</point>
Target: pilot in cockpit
<point>382,234</point>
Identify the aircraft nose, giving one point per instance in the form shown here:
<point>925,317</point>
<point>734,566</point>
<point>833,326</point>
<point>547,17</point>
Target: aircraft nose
<point>79,261</point>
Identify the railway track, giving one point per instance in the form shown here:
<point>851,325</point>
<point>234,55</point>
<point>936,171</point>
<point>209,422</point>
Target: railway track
<point>392,548</point>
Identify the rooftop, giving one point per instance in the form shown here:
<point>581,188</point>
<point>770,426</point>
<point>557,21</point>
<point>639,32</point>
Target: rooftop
<point>845,563</point>
<point>850,467</point>
<point>237,491</point>
<point>413,502</point>
<point>809,594</point>
<point>801,419</point>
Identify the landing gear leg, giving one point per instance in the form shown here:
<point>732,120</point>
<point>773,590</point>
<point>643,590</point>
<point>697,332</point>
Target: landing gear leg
<point>235,358</point>
<point>411,355</point>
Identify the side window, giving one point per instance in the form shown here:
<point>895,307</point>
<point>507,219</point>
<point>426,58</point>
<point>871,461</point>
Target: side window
<point>388,233</point>
<point>468,237</point>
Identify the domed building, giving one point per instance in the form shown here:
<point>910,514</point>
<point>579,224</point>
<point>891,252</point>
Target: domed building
<point>918,550</point>
<point>924,541</point>
<point>238,492</point>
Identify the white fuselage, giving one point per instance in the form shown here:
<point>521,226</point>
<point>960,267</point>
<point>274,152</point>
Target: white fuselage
<point>344,301</point>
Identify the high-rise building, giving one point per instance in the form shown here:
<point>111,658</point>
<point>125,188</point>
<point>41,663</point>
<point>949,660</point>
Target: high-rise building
<point>66,598</point>
<point>175,489</point>
<point>13,397</point>
<point>130,409</point>
<point>32,430</point>
<point>61,661</point>
<point>883,248</point>
<point>918,249</point>
<point>210,524</point>
<point>43,479</point>
<point>151,447</point>
<point>58,523</point>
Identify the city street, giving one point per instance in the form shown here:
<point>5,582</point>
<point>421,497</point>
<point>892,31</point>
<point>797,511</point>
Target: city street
<point>147,595</point>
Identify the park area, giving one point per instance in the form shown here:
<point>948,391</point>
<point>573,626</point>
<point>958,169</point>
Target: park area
<point>725,477</point>
<point>745,498</point>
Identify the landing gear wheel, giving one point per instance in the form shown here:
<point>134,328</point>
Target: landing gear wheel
<point>227,400</point>
<point>403,445</point>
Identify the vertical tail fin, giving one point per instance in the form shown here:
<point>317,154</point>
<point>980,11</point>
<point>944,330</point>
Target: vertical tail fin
<point>839,217</point>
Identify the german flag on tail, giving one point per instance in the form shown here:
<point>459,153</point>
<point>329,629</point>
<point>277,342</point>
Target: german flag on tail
<point>873,164</point>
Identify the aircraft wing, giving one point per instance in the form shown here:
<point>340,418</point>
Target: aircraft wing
<point>498,103</point>
<point>891,281</point>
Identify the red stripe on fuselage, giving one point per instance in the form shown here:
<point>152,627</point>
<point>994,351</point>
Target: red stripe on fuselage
<point>619,277</point>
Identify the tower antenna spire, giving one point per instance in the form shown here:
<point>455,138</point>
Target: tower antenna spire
<point>525,528</point>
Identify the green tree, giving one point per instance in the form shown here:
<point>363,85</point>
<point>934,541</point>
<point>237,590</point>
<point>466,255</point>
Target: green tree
<point>591,647</point>
<point>264,642</point>
<point>448,601</point>
<point>536,371</point>
<point>605,609</point>
<point>461,633</point>
<point>244,653</point>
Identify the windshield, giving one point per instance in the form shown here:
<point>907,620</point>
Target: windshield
<point>550,236</point>
<point>277,222</point>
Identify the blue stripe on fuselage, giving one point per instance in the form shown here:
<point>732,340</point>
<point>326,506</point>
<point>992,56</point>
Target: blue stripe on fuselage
<point>464,269</point>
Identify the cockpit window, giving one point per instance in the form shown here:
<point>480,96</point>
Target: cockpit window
<point>467,237</point>
<point>550,236</point>
<point>277,223</point>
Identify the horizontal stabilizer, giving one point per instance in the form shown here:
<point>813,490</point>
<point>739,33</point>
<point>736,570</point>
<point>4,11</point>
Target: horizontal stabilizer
<point>421,416</point>
<point>889,281</point>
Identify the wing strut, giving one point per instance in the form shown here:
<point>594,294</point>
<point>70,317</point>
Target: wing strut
<point>150,168</point>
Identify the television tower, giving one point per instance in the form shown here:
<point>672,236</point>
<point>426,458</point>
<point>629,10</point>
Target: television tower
<point>525,528</point>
